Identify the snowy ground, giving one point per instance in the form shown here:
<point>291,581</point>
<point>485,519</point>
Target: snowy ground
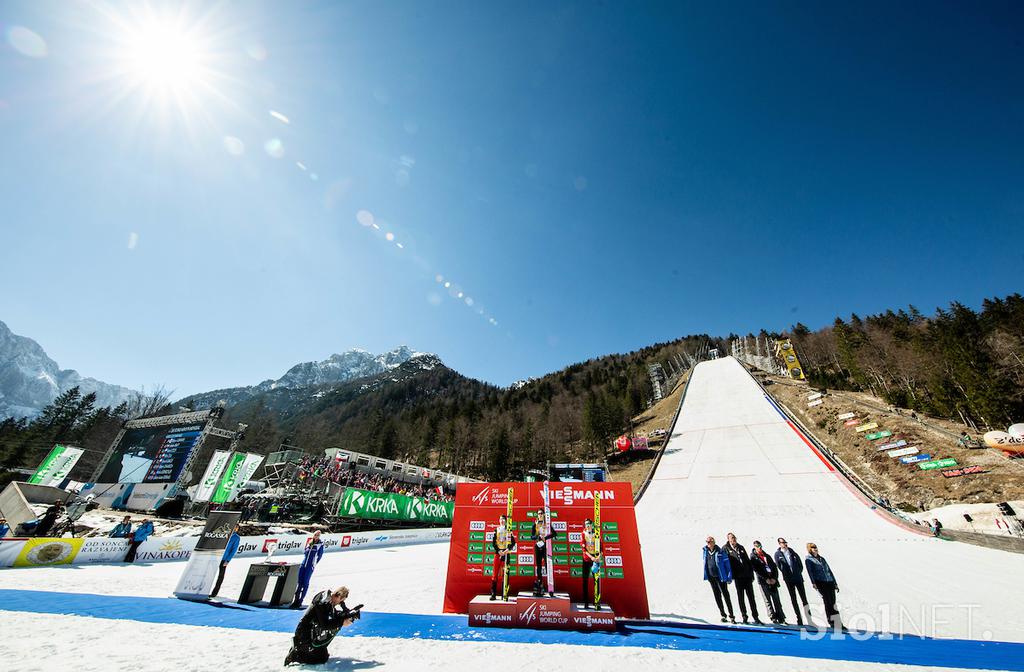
<point>732,465</point>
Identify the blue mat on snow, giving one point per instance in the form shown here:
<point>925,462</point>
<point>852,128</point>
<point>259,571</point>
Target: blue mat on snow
<point>868,648</point>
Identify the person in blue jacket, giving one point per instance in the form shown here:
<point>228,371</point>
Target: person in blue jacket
<point>792,569</point>
<point>229,552</point>
<point>122,530</point>
<point>136,538</point>
<point>718,572</point>
<point>824,581</point>
<point>4,529</point>
<point>314,551</point>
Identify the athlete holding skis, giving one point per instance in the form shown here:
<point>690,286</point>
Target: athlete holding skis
<point>503,543</point>
<point>591,559</point>
<point>542,533</point>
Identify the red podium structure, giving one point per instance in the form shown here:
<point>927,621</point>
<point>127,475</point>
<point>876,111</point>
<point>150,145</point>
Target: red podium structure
<point>543,613</point>
<point>468,586</point>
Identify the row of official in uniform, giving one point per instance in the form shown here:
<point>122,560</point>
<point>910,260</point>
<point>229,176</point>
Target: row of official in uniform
<point>732,564</point>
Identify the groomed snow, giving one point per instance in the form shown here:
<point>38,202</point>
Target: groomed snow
<point>733,464</point>
<point>36,643</point>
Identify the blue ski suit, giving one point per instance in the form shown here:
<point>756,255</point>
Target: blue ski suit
<point>314,551</point>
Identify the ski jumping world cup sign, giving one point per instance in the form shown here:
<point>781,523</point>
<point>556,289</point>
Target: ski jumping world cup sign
<point>470,555</point>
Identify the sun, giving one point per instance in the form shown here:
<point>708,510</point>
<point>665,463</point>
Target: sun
<point>165,57</point>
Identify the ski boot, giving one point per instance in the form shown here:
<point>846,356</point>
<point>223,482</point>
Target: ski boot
<point>494,591</point>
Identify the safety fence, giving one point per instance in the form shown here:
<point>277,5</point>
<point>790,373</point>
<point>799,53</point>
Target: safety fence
<point>47,552</point>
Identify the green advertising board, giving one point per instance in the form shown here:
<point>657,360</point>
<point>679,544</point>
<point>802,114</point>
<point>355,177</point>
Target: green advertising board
<point>873,436</point>
<point>227,481</point>
<point>356,503</point>
<point>938,464</point>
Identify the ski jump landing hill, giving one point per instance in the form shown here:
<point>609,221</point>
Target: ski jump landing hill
<point>735,464</point>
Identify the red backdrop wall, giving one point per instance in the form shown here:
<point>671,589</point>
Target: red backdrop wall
<point>477,507</point>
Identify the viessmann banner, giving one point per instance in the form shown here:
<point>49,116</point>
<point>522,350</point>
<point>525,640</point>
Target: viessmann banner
<point>356,503</point>
<point>477,507</point>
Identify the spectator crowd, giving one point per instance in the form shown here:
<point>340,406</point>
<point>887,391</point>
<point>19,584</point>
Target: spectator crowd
<point>345,474</point>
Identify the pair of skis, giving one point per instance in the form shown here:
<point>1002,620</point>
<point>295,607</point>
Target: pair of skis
<point>596,568</point>
<point>508,530</point>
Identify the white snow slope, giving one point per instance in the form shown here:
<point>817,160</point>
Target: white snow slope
<point>733,464</point>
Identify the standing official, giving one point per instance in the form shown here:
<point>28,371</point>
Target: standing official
<point>310,557</point>
<point>791,567</point>
<point>229,552</point>
<point>743,575</point>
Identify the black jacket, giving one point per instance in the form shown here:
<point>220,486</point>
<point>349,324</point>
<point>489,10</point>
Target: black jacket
<point>321,621</point>
<point>765,569</point>
<point>790,575</point>
<point>740,562</point>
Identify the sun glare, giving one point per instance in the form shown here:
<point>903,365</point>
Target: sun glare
<point>165,56</point>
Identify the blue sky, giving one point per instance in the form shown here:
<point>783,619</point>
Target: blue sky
<point>594,176</point>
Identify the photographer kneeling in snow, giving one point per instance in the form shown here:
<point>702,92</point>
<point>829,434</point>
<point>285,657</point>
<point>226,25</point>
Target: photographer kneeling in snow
<point>316,629</point>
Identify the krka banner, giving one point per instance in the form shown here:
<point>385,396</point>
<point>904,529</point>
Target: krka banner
<point>357,503</point>
<point>239,469</point>
<point>57,465</point>
<point>212,476</point>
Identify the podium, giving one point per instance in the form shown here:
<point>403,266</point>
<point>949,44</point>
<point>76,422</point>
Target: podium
<point>545,613</point>
<point>286,575</point>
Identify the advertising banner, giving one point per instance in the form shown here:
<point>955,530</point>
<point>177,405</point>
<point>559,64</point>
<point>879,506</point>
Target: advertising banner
<point>105,494</point>
<point>165,549</point>
<point>228,481</point>
<point>57,465</point>
<point>47,552</point>
<point>10,548</point>
<point>248,469</point>
<point>874,436</point>
<point>846,416</point>
<point>813,396</point>
<point>938,464</point>
<point>963,471</point>
<point>851,422</point>
<point>816,402</point>
<point>201,571</point>
<point>103,549</point>
<point>211,477</point>
<point>923,457</point>
<point>865,427</point>
<point>148,496</point>
<point>902,451</point>
<point>356,503</point>
<point>477,507</point>
<point>893,445</point>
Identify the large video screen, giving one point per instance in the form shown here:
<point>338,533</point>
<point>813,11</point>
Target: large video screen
<point>152,454</point>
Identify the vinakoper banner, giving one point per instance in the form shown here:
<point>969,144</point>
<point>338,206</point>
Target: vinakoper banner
<point>57,465</point>
<point>356,503</point>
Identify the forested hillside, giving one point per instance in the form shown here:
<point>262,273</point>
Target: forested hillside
<point>440,418</point>
<point>959,364</point>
